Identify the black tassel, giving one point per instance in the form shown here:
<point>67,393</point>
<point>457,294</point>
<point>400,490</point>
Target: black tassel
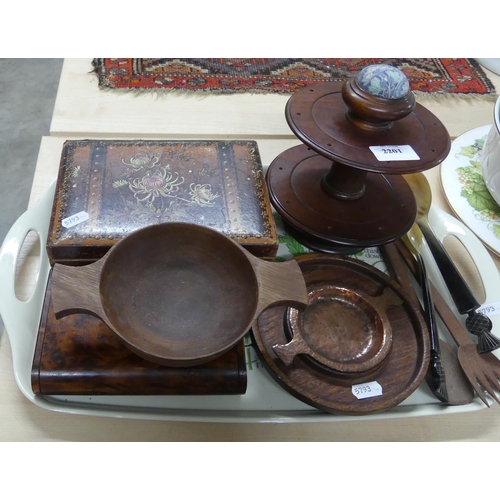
<point>479,324</point>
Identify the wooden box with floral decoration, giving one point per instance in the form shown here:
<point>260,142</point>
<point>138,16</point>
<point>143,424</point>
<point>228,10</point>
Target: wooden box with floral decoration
<point>108,188</point>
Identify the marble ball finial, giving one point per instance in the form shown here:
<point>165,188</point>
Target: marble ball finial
<point>378,96</point>
<point>383,80</point>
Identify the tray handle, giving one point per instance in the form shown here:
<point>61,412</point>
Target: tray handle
<point>443,224</point>
<point>23,316</point>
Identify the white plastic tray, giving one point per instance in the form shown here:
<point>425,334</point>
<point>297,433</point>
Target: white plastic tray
<point>264,400</point>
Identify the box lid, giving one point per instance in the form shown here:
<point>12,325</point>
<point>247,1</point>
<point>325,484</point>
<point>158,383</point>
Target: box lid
<point>108,188</point>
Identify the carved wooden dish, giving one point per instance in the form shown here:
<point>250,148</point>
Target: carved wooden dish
<point>177,294</point>
<point>341,328</point>
<point>399,375</point>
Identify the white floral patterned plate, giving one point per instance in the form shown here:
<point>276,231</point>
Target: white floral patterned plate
<point>466,191</point>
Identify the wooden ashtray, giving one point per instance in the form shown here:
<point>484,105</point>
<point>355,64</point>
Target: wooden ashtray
<point>177,294</point>
<point>341,328</point>
<point>399,374</point>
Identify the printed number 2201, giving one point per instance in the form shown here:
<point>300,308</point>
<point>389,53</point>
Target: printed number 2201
<point>392,152</point>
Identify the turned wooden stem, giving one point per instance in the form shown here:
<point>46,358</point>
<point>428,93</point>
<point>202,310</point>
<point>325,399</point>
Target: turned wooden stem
<point>344,182</point>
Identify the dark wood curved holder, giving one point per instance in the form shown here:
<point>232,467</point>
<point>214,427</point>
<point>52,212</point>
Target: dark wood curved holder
<point>329,188</point>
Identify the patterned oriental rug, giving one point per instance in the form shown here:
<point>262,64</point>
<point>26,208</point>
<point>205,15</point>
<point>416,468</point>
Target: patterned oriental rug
<point>432,77</point>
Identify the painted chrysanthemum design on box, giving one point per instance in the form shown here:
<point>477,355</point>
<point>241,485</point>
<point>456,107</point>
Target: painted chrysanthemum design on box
<point>152,183</point>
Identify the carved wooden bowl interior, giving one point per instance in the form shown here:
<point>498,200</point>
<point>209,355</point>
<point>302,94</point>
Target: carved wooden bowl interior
<point>170,289</point>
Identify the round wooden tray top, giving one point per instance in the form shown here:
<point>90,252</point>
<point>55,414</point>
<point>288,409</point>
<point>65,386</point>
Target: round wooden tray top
<point>317,116</point>
<point>399,374</point>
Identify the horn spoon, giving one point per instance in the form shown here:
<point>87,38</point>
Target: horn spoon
<point>476,323</point>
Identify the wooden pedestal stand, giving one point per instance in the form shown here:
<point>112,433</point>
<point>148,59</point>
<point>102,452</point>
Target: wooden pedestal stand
<point>332,192</point>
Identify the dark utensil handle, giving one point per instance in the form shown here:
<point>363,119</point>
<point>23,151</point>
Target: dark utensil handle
<point>428,305</point>
<point>459,290</point>
<point>451,322</point>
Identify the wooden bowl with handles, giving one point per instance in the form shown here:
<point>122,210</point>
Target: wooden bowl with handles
<point>177,294</point>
